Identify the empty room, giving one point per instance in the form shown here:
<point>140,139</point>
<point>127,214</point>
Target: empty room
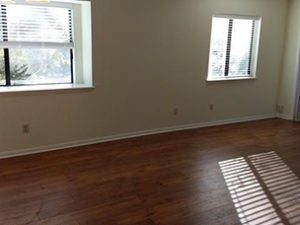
<point>149,112</point>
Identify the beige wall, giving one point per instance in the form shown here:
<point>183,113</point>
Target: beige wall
<point>149,57</point>
<point>289,77</point>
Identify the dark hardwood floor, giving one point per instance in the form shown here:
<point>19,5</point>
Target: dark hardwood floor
<point>167,179</point>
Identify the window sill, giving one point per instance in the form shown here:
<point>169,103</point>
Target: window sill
<point>41,88</point>
<point>230,78</point>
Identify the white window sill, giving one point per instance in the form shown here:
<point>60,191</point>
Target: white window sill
<point>229,78</point>
<point>40,88</point>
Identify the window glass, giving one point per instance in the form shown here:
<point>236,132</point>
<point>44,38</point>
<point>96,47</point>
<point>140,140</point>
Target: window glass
<point>240,53</point>
<point>40,66</point>
<point>218,46</point>
<point>2,68</point>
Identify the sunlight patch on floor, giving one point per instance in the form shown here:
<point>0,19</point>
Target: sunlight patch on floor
<point>282,183</point>
<point>252,204</point>
<point>264,189</point>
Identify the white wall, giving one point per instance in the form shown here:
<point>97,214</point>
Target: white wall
<point>289,76</point>
<point>149,57</point>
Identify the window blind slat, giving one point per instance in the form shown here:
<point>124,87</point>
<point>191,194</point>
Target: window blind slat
<point>27,25</point>
<point>228,49</point>
<point>251,47</point>
<point>28,44</point>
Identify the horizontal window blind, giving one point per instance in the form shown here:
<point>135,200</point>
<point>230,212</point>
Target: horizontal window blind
<point>29,26</point>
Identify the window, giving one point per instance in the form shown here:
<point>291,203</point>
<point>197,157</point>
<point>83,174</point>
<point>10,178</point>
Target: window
<point>45,46</point>
<point>36,45</point>
<point>233,47</point>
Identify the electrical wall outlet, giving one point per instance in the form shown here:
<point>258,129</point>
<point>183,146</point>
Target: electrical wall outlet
<point>175,111</point>
<point>25,128</point>
<point>280,108</point>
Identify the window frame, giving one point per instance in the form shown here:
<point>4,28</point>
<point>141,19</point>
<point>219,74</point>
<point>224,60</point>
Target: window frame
<point>254,53</point>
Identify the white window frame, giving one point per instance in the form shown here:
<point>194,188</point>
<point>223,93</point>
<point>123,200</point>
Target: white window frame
<point>82,35</point>
<point>255,48</point>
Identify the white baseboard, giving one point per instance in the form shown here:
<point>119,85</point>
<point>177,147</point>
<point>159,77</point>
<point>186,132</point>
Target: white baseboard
<point>40,149</point>
<point>284,116</point>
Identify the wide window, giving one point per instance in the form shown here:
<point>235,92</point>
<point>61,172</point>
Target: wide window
<point>233,47</point>
<point>36,44</point>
